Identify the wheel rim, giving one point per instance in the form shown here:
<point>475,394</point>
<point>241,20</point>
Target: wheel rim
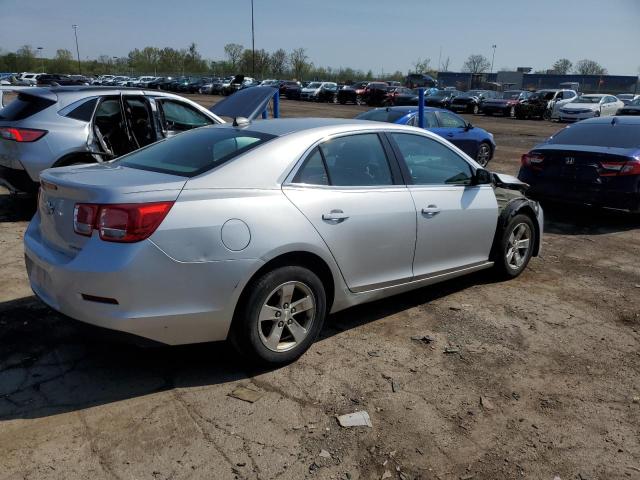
<point>518,246</point>
<point>286,316</point>
<point>512,112</point>
<point>358,100</point>
<point>484,152</point>
<point>475,109</point>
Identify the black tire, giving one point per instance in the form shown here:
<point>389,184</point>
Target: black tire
<point>245,332</point>
<point>502,266</point>
<point>342,101</point>
<point>546,115</point>
<point>484,154</point>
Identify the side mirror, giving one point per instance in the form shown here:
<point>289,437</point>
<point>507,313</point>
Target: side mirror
<point>468,127</point>
<point>482,177</point>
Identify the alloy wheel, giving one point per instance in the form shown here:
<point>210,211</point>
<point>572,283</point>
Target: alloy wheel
<point>512,112</point>
<point>484,154</point>
<point>286,316</point>
<point>518,246</point>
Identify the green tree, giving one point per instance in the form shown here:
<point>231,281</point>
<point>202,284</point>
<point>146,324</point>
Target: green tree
<point>62,62</point>
<point>562,66</point>
<point>299,63</point>
<point>278,63</point>
<point>589,67</point>
<point>233,52</point>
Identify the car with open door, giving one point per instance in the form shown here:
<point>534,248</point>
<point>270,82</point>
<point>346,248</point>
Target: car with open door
<point>58,126</point>
<point>474,141</point>
<point>255,232</point>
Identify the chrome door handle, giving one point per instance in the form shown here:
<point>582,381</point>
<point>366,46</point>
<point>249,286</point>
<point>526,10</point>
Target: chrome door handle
<point>431,210</point>
<point>335,216</point>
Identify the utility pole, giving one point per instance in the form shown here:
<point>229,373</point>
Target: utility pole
<point>75,31</point>
<point>41,59</point>
<point>253,45</point>
<point>493,57</point>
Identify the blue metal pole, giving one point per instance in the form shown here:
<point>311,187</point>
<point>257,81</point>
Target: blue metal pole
<point>276,104</point>
<point>421,107</point>
<point>265,115</point>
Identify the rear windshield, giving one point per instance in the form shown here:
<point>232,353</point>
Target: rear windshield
<point>389,116</point>
<point>194,152</point>
<point>24,106</point>
<point>599,135</point>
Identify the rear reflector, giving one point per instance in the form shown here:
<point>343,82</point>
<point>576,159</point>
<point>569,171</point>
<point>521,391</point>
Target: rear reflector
<point>93,298</point>
<point>126,222</point>
<point>22,135</point>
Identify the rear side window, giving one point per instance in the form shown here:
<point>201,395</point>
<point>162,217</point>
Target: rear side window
<point>313,172</point>
<point>194,152</point>
<point>598,135</point>
<point>84,112</point>
<point>382,115</point>
<point>24,106</point>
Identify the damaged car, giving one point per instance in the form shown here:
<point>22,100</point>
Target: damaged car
<point>59,126</point>
<point>255,232</point>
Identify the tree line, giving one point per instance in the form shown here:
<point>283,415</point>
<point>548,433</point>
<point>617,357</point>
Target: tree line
<point>262,64</point>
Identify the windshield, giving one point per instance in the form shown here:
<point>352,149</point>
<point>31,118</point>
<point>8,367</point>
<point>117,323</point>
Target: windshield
<point>194,152</point>
<point>314,85</point>
<point>599,135</point>
<point>585,99</point>
<point>382,115</point>
<point>511,95</point>
<point>440,94</point>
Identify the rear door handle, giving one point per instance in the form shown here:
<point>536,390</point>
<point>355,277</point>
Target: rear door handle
<point>431,210</point>
<point>335,216</point>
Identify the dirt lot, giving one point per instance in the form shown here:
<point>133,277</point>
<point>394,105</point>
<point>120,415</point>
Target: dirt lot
<point>545,381</point>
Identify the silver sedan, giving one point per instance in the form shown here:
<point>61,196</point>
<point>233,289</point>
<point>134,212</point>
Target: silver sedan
<point>256,232</point>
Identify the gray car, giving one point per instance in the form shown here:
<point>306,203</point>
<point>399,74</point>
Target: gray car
<point>59,126</point>
<point>256,232</point>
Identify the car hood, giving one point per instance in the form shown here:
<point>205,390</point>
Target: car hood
<point>248,103</point>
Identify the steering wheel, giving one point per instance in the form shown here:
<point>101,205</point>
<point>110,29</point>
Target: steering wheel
<point>103,140</point>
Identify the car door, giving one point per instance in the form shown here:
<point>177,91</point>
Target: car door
<point>455,129</point>
<point>176,116</point>
<point>456,220</point>
<point>355,198</point>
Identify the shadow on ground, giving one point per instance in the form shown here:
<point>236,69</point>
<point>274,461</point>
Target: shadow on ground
<point>50,364</point>
<point>577,220</point>
<point>16,209</point>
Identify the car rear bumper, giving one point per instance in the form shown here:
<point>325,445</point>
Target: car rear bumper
<point>137,289</point>
<point>625,195</point>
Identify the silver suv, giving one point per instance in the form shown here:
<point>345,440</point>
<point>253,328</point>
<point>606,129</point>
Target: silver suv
<point>60,126</point>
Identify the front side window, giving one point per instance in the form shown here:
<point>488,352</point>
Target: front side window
<point>450,120</point>
<point>180,117</point>
<point>356,161</point>
<point>431,163</point>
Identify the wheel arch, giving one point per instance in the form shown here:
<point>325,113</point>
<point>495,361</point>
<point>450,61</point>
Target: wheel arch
<point>517,206</point>
<point>73,157</point>
<point>301,258</point>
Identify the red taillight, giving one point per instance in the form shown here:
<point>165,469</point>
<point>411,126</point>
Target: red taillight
<point>532,160</point>
<point>127,222</point>
<point>612,169</point>
<point>84,218</point>
<point>21,135</point>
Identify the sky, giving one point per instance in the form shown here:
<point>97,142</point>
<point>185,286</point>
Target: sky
<point>381,35</point>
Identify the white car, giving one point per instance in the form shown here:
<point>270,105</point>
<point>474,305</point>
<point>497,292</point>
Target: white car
<point>314,89</point>
<point>30,77</point>
<point>589,106</point>
<point>556,97</point>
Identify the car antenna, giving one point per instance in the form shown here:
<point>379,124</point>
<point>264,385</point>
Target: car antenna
<point>241,122</point>
<point>613,121</point>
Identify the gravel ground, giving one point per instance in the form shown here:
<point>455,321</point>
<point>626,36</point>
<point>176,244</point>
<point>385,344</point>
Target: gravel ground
<point>544,378</point>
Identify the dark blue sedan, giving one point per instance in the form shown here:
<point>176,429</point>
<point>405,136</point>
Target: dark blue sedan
<point>594,162</point>
<point>474,141</point>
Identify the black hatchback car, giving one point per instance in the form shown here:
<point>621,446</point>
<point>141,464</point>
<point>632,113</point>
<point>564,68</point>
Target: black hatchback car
<point>592,162</point>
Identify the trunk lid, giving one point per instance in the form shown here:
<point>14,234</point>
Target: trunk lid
<point>62,188</point>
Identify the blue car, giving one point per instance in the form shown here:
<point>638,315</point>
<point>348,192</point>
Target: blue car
<point>474,141</point>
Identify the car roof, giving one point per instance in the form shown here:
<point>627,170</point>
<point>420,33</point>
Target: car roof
<point>410,109</point>
<point>284,126</point>
<point>616,120</point>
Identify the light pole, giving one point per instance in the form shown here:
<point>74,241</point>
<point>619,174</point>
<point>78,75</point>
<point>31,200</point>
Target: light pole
<point>75,31</point>
<point>253,45</point>
<point>41,60</point>
<point>115,63</point>
<point>493,56</point>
